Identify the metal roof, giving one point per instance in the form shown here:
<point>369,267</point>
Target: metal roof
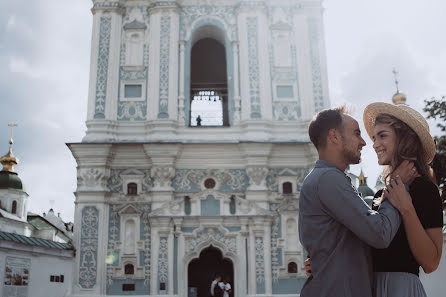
<point>34,241</point>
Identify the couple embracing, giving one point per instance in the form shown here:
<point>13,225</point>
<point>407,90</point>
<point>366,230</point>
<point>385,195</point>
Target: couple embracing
<point>355,250</point>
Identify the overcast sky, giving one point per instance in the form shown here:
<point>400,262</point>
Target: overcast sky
<point>44,68</point>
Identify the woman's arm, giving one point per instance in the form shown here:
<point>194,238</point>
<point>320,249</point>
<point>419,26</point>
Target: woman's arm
<point>425,244</point>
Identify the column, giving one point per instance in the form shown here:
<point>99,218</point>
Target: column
<point>181,115</point>
<point>237,103</point>
<point>267,256</point>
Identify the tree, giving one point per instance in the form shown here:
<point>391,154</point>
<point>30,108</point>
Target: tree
<point>436,109</point>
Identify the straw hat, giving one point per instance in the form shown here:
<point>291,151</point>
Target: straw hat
<point>407,115</point>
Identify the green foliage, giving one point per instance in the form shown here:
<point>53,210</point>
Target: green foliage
<point>436,109</point>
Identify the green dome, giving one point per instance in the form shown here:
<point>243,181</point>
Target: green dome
<point>10,180</point>
<point>365,190</point>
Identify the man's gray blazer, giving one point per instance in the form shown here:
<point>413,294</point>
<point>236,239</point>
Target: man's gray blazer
<point>337,228</point>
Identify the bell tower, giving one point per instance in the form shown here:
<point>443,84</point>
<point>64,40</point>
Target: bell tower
<point>196,139</point>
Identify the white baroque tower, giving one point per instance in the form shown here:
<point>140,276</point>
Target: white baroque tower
<point>197,146</point>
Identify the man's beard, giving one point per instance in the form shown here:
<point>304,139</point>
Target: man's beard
<point>350,157</point>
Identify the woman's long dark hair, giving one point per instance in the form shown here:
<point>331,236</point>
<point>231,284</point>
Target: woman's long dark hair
<point>408,147</point>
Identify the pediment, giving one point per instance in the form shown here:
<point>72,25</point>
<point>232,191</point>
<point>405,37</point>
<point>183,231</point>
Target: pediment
<point>130,210</point>
<point>135,25</point>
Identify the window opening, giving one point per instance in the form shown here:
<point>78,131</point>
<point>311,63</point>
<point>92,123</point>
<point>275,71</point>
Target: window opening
<point>14,207</point>
<point>187,205</point>
<point>232,205</point>
<point>292,267</point>
<point>287,188</point>
<point>209,183</point>
<point>132,189</point>
<point>129,269</point>
<point>209,86</point>
<point>128,287</point>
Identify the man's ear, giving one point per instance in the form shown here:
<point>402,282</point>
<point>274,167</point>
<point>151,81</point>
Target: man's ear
<point>333,136</point>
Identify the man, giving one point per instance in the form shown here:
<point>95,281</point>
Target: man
<point>216,290</point>
<point>336,226</point>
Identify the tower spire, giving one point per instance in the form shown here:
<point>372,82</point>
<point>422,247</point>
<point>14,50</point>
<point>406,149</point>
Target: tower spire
<point>398,98</point>
<point>9,160</point>
<point>396,79</point>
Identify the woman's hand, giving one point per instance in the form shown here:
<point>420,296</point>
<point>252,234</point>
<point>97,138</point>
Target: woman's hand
<point>399,197</point>
<point>307,266</point>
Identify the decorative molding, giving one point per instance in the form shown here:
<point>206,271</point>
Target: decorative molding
<point>115,181</point>
<point>253,68</point>
<point>89,179</point>
<point>163,109</point>
<point>316,73</point>
<point>260,260</point>
<point>202,235</point>
<point>229,180</point>
<point>257,175</point>
<point>286,111</point>
<point>115,243</point>
<point>272,177</point>
<point>162,176</point>
<point>132,110</point>
<point>102,68</point>
<point>163,263</point>
<point>88,259</point>
<point>191,14</point>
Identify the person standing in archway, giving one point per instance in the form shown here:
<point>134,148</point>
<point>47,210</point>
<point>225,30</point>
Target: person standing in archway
<point>216,290</point>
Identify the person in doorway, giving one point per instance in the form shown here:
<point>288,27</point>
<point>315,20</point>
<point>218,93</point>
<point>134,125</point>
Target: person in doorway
<point>216,290</point>
<point>226,286</point>
<point>336,226</point>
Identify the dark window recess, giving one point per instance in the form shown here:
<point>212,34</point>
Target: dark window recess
<point>128,287</point>
<point>57,279</point>
<point>14,207</point>
<point>61,278</point>
<point>132,189</point>
<point>52,278</point>
<point>187,205</point>
<point>162,286</point>
<point>287,188</point>
<point>209,183</point>
<point>128,269</point>
<point>232,205</point>
<point>292,267</point>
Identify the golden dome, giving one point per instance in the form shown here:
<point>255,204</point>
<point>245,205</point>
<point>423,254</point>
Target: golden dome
<point>9,160</point>
<point>399,98</point>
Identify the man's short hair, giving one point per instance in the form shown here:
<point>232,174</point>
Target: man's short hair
<point>323,122</point>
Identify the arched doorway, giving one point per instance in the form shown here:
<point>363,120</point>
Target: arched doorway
<point>201,271</point>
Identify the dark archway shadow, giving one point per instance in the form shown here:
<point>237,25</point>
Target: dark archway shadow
<point>201,271</point>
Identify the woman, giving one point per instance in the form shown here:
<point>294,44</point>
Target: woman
<point>400,133</point>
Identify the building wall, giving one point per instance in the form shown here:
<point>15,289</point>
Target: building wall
<point>276,79</point>
<point>43,262</point>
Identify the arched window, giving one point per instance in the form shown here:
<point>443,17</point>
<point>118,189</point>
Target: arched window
<point>129,269</point>
<point>287,188</point>
<point>292,267</point>
<point>187,205</point>
<point>14,207</point>
<point>209,84</point>
<point>132,189</point>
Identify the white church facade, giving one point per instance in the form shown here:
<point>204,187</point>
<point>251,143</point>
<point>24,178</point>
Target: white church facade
<point>196,146</point>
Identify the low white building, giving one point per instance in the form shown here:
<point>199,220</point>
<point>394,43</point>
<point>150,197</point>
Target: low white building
<point>36,254</point>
